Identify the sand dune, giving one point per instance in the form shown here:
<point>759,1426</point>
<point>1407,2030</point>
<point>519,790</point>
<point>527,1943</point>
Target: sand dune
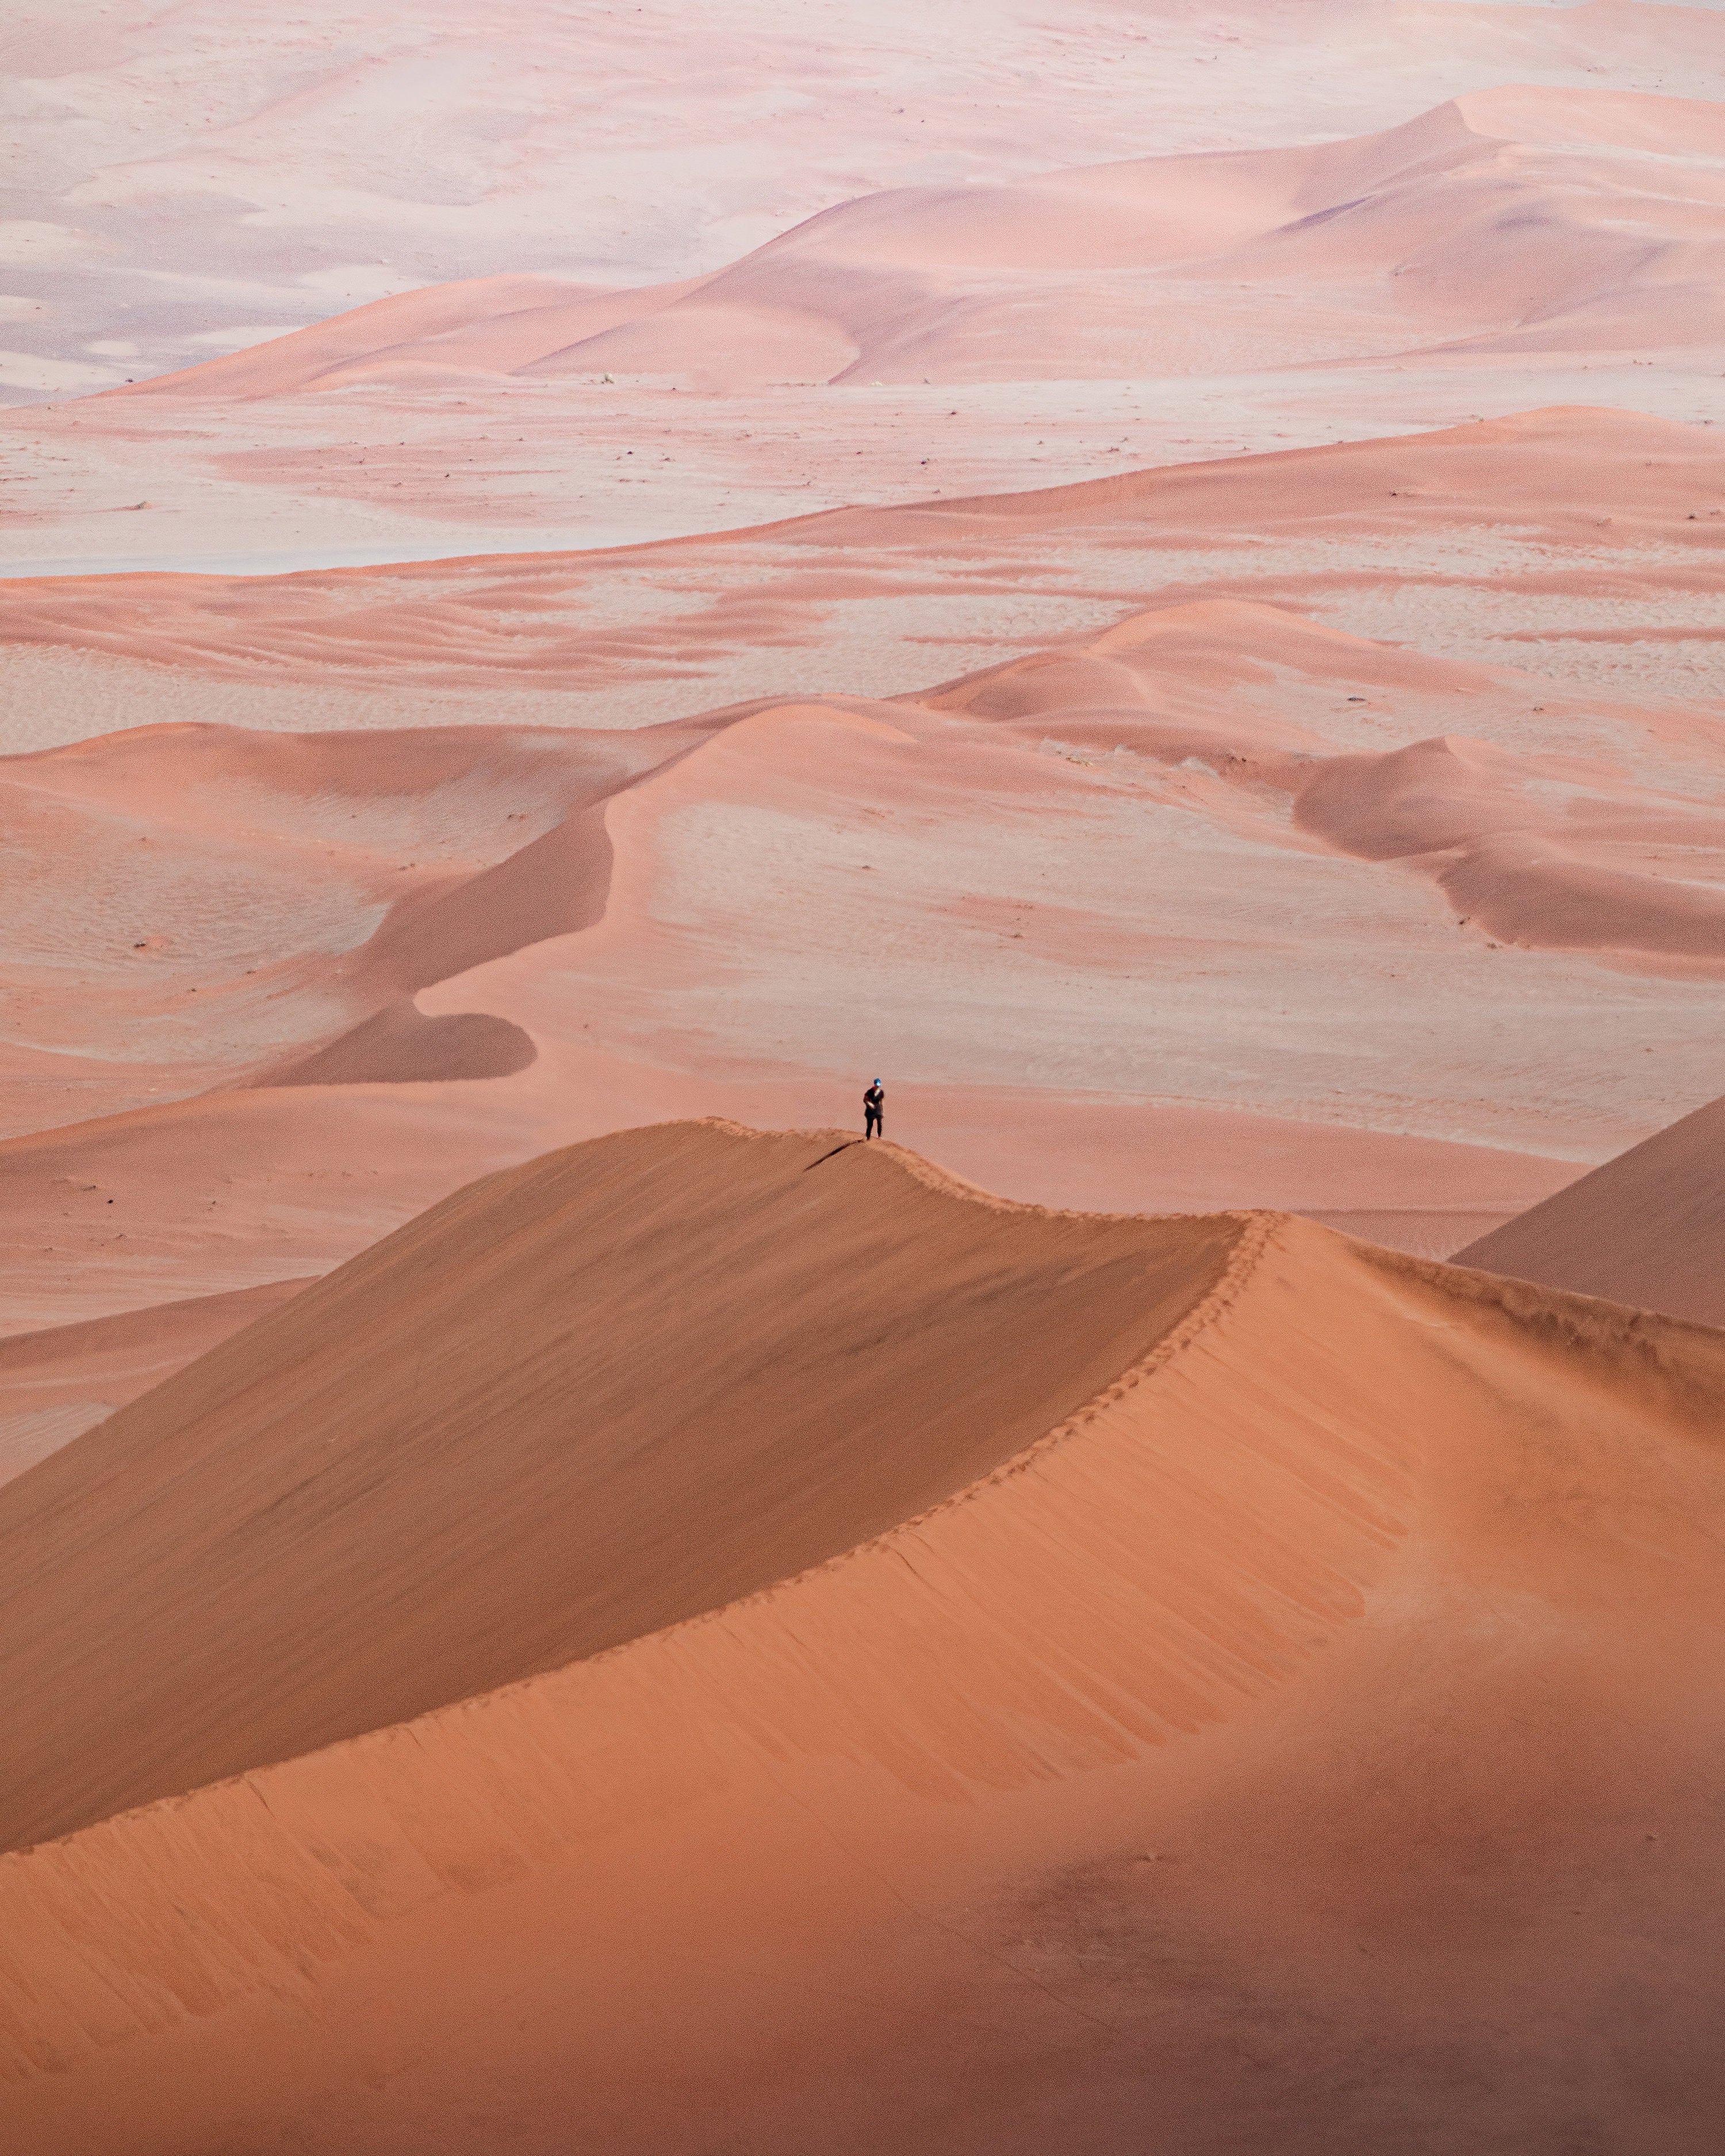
<point>659,141</point>
<point>1212,902</point>
<point>235,1189</point>
<point>1647,1229</point>
<point>55,1385</point>
<point>1156,576</point>
<point>1538,850</point>
<point>1603,528</point>
<point>487,325</point>
<point>425,1477</point>
<point>1519,245</point>
<point>301,887</point>
<point>1337,1682</point>
<point>1494,221</point>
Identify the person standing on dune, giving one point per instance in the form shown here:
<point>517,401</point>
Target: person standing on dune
<point>874,1104</point>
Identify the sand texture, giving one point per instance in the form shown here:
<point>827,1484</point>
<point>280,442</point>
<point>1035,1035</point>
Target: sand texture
<point>576,582</point>
<point>938,327</point>
<point>411,1522</point>
<point>1318,1664</point>
<point>663,141</point>
<point>1647,1229</point>
<point>1461,224</point>
<point>57,1383</point>
<point>1198,882</point>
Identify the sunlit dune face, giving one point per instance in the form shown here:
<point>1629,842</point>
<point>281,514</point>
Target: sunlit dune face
<point>1150,1607</point>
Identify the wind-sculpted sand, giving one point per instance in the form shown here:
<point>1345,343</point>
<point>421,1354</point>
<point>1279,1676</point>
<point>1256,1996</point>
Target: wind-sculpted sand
<point>57,1383</point>
<point>185,183</point>
<point>1521,245</point>
<point>1309,1659</point>
<point>1157,580</point>
<point>1583,546</point>
<point>1463,230</point>
<point>1212,901</point>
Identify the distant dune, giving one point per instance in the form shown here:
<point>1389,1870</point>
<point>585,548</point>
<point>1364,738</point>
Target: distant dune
<point>979,1674</point>
<point>575,582</point>
<point>1647,1229</point>
<point>1577,505</point>
<point>666,138</point>
<point>1492,223</point>
<point>1207,901</point>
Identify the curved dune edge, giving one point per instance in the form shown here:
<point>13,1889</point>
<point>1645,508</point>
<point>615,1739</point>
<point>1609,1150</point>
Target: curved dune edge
<point>581,1399</point>
<point>1058,274</point>
<point>1110,1727</point>
<point>1175,1556</point>
<point>399,1045</point>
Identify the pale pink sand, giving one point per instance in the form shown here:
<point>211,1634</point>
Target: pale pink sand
<point>1521,244</point>
<point>186,182</point>
<point>1219,905</point>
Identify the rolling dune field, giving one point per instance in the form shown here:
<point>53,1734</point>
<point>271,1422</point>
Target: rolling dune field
<point>576,583</point>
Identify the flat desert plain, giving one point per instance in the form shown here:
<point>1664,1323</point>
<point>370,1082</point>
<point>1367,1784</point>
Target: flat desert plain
<point>576,585</point>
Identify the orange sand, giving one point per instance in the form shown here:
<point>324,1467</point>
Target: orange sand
<point>55,1384</point>
<point>1305,1745</point>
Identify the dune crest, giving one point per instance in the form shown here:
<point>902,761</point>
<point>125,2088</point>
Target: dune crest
<point>1043,890</point>
<point>1258,1613</point>
<point>444,1426</point>
<point>584,578</point>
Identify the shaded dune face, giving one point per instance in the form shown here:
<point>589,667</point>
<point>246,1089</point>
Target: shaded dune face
<point>440,1469</point>
<point>1545,848</point>
<point>59,1382</point>
<point>1338,1684</point>
<point>200,902</point>
<point>1647,1229</point>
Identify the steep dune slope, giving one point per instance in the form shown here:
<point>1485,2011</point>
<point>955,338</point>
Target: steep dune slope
<point>1647,1229</point>
<point>1342,1686</point>
<point>55,1384</point>
<point>439,1470</point>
